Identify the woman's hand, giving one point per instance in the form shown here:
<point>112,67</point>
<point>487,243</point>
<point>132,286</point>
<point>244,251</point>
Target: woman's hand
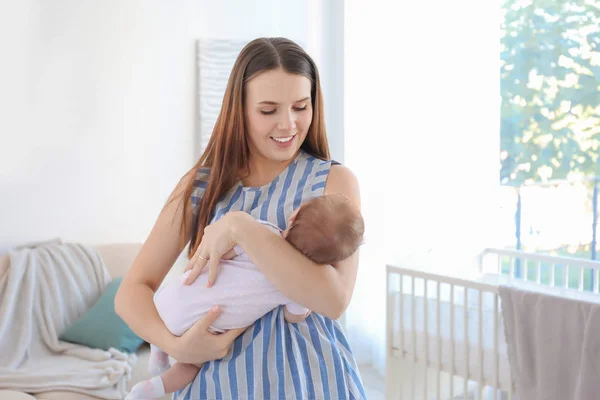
<point>227,256</point>
<point>197,345</point>
<point>217,243</point>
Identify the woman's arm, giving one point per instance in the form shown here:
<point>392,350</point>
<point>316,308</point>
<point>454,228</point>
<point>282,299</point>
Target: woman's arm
<point>325,289</point>
<point>134,300</point>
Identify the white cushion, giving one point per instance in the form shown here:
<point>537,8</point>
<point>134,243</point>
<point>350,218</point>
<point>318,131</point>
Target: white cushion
<point>118,257</point>
<point>63,395</point>
<point>12,395</point>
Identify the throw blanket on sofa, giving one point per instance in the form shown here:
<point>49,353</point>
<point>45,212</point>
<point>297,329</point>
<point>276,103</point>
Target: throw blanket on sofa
<point>44,290</point>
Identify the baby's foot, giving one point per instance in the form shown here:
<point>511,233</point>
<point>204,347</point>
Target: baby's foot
<point>150,389</point>
<point>159,361</point>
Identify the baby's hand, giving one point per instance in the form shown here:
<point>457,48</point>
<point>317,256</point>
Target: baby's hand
<point>294,318</point>
<point>229,255</point>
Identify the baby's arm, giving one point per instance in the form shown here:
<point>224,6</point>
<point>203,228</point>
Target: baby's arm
<point>295,313</point>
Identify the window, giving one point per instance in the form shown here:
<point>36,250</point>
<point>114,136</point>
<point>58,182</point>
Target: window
<point>550,124</point>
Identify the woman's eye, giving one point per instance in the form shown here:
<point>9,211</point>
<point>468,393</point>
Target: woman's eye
<point>273,111</point>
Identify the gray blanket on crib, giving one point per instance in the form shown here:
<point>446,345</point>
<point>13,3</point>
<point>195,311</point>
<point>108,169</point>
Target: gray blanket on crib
<point>553,339</point>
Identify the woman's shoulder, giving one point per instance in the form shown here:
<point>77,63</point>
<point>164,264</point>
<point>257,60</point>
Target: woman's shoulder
<point>340,175</point>
<point>340,171</point>
<point>342,180</point>
<point>199,177</point>
<point>201,174</point>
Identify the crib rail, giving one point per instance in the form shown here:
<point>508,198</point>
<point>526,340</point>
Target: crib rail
<point>452,291</point>
<point>418,296</point>
<point>567,272</point>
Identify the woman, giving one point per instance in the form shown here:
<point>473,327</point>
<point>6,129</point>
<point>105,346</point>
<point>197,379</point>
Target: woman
<point>267,155</point>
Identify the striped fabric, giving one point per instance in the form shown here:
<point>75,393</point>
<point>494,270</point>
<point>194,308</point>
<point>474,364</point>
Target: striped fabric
<point>274,359</point>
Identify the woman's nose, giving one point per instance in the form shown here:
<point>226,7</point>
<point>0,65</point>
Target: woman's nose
<point>287,122</point>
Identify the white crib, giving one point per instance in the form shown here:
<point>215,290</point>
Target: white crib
<point>445,335</point>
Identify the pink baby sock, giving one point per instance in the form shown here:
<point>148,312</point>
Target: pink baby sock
<point>150,389</point>
<point>159,361</point>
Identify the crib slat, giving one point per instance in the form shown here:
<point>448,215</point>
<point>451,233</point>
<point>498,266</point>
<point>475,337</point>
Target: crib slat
<point>452,343</point>
<point>552,274</point>
<point>581,279</point>
<point>513,261</point>
<point>496,348</point>
<point>466,342</point>
<point>538,272</point>
<point>597,280</point>
<point>389,331</point>
<point>413,317</point>
<point>481,365</point>
<point>426,336</point>
<point>414,336</point>
<point>402,327</point>
<point>439,342</point>
<point>567,276</point>
<point>401,305</point>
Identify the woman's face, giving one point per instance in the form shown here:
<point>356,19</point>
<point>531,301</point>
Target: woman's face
<point>278,114</point>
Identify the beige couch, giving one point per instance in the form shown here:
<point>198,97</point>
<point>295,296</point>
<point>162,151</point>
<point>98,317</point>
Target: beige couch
<point>118,258</point>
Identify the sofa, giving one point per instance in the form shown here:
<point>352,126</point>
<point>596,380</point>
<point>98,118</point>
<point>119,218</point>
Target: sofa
<point>118,258</point>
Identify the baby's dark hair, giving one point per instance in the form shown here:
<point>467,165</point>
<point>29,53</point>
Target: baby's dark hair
<point>327,229</point>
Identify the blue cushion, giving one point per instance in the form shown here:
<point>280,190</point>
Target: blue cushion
<point>101,328</point>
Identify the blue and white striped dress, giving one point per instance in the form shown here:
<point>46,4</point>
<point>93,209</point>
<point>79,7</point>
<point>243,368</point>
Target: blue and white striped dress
<point>274,359</point>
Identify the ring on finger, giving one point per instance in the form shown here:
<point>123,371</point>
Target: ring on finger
<point>202,258</point>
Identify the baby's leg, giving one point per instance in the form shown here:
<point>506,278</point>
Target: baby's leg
<point>175,378</point>
<point>178,376</point>
<point>159,361</point>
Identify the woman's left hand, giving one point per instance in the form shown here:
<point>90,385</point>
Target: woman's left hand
<point>216,242</point>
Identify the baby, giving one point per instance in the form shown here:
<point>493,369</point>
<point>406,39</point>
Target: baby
<point>326,229</point>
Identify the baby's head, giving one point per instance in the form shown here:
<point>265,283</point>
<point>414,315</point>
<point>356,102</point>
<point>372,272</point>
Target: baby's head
<point>326,229</point>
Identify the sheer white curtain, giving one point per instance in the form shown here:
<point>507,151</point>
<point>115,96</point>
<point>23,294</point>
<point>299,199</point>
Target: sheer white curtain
<point>422,135</point>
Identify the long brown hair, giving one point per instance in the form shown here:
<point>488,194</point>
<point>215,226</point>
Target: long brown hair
<point>227,151</point>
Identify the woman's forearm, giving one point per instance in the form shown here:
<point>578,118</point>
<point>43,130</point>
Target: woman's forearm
<point>135,305</point>
<point>320,288</point>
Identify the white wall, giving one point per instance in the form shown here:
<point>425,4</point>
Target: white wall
<point>326,45</point>
<point>98,107</point>
<point>422,135</point>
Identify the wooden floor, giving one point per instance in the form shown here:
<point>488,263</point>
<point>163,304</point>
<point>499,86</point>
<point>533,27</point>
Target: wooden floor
<point>373,382</point>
